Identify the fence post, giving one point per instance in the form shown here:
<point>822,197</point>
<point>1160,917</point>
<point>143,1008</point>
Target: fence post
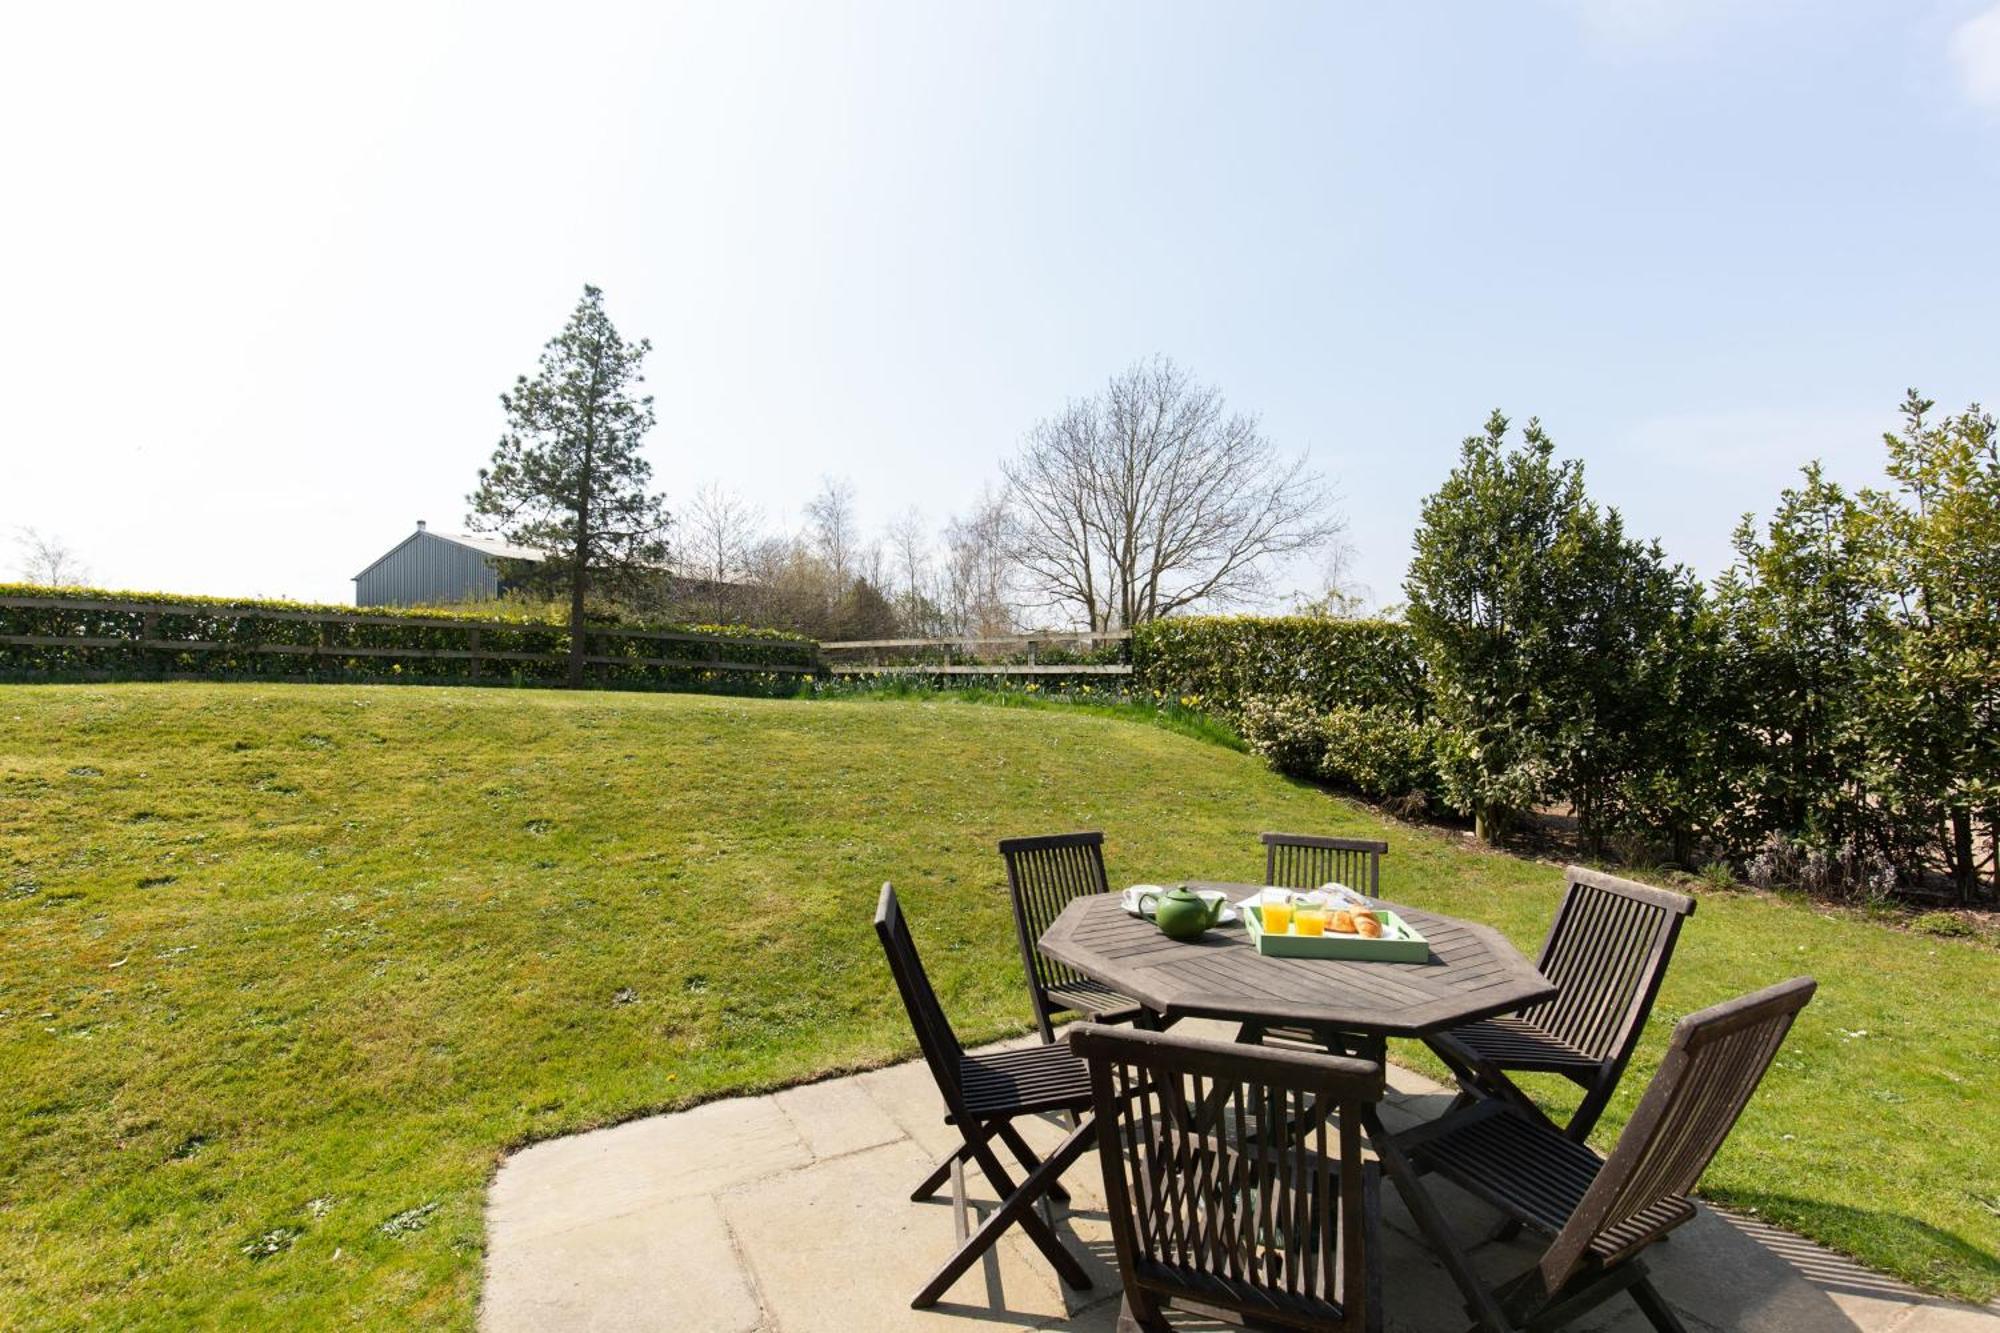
<point>472,642</point>
<point>149,630</point>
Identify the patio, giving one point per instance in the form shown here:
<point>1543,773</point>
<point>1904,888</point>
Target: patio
<point>789,1212</point>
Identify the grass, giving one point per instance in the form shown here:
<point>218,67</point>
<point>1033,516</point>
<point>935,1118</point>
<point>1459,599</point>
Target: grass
<point>284,971</point>
<point>1076,700</point>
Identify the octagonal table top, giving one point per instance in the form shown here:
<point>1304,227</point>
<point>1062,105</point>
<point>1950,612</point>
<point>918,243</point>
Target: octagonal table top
<point>1473,971</point>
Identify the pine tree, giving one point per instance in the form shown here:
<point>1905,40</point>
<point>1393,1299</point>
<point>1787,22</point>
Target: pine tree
<point>568,478</point>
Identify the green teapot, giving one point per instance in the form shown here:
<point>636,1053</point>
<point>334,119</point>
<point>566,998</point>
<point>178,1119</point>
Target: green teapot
<point>1181,913</point>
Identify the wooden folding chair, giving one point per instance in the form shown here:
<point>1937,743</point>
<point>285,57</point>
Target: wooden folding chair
<point>983,1095</point>
<point>1601,1212</point>
<point>1607,951</point>
<point>1043,876</point>
<point>1301,861</point>
<point>1219,1182</point>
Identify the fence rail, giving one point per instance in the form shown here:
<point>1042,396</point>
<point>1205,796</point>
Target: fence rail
<point>108,637</point>
<point>1025,654</point>
<point>961,669</point>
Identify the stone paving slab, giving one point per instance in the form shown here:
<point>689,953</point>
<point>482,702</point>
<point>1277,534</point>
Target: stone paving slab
<point>837,1117</point>
<point>584,1178</point>
<point>839,1246</point>
<point>671,1265</point>
<point>790,1213</point>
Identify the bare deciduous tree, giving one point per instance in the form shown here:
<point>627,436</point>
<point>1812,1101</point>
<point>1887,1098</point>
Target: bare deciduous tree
<point>974,589</point>
<point>48,561</point>
<point>1339,596</point>
<point>912,567</point>
<point>1152,497</point>
<point>832,528</point>
<point>719,530</point>
<point>791,585</point>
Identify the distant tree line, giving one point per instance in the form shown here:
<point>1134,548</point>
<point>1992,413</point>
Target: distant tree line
<point>1149,498</point>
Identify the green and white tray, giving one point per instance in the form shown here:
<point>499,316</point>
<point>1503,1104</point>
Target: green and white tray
<point>1399,942</point>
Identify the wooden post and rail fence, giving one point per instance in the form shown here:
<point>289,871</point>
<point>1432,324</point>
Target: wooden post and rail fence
<point>1046,653</point>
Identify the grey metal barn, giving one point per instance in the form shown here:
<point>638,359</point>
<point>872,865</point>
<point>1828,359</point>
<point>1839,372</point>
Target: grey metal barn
<point>437,568</point>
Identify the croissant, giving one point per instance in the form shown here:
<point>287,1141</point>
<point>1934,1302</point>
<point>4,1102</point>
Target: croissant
<point>1368,925</point>
<point>1341,923</point>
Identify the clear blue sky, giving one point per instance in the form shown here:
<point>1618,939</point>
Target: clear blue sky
<point>263,273</point>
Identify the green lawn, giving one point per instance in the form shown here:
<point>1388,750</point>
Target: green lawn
<point>285,970</point>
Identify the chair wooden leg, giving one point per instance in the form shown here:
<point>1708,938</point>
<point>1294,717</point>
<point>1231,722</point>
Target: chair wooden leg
<point>1141,1315</point>
<point>939,1174</point>
<point>1539,1312</point>
<point>1595,1099</point>
<point>1026,1155</point>
<point>990,1165</point>
<point>1656,1310</point>
<point>1042,1024</point>
<point>1371,1240</point>
<point>1018,1208</point>
<point>1494,1083</point>
<point>1424,1212</point>
<point>1487,1080</point>
<point>961,1211</point>
<point>977,1150</point>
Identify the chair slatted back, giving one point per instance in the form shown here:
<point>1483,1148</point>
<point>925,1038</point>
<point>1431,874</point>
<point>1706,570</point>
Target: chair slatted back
<point>1044,875</point>
<point>938,1042</point>
<point>1222,1165</point>
<point>1300,861</point>
<point>1713,1064</point>
<point>1607,952</point>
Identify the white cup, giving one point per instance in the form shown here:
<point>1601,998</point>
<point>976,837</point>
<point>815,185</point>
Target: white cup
<point>1132,895</point>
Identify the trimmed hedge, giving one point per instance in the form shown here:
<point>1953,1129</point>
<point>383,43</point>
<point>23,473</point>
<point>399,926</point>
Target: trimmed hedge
<point>156,635</point>
<point>1219,662</point>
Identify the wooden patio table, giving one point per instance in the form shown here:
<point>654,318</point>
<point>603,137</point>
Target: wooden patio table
<point>1473,972</point>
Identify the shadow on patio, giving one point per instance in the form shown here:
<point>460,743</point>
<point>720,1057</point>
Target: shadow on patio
<point>790,1213</point>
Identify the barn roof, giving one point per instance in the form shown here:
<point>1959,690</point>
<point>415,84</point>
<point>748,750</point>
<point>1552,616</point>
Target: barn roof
<point>492,546</point>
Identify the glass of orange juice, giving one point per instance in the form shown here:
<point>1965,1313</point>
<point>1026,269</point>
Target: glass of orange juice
<point>1310,920</point>
<point>1276,910</point>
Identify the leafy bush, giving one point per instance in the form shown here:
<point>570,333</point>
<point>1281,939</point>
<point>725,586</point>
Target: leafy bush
<point>1286,730</point>
<point>1552,641</point>
<point>1219,662</point>
<point>1378,752</point>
